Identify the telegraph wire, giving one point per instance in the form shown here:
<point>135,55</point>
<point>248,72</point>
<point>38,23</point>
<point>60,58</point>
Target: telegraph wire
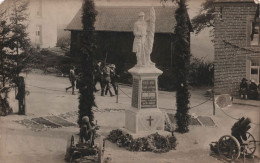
<point>201,103</point>
<point>233,117</point>
<point>45,88</point>
<point>124,92</point>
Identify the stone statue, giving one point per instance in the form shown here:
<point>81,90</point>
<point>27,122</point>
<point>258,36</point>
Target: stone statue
<point>144,38</point>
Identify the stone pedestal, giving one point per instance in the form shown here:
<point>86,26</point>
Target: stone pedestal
<point>144,116</point>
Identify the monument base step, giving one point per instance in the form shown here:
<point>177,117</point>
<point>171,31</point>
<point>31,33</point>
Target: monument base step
<point>144,133</point>
<point>144,120</point>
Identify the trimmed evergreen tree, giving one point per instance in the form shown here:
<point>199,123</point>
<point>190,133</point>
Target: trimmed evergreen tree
<point>182,64</point>
<point>86,88</point>
<point>182,60</point>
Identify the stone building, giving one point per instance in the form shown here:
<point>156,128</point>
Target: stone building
<point>237,50</point>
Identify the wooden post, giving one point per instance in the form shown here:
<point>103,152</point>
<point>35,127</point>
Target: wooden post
<point>26,94</point>
<point>25,104</point>
<point>117,92</point>
<point>214,107</point>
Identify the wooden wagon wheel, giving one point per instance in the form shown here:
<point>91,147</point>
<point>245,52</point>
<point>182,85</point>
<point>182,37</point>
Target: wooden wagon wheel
<point>250,144</point>
<point>69,149</point>
<point>229,148</point>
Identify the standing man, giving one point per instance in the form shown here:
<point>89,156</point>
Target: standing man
<point>113,77</point>
<point>72,79</point>
<point>98,76</point>
<point>20,96</point>
<point>243,89</point>
<point>252,90</point>
<point>106,81</point>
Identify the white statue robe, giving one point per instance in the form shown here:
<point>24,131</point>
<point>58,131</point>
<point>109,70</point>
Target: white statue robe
<point>139,41</point>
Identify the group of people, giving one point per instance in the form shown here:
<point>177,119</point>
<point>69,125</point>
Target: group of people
<point>248,90</point>
<point>105,74</point>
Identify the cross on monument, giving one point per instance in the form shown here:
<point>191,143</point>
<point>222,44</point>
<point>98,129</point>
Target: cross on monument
<point>150,120</point>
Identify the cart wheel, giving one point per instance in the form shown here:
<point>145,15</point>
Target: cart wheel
<point>229,148</point>
<point>69,149</point>
<point>250,144</point>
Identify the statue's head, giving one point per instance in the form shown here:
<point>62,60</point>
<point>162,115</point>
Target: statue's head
<point>141,15</point>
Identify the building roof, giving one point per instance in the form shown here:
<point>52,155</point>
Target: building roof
<point>122,19</point>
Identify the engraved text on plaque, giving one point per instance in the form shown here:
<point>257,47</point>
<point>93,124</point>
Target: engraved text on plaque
<point>148,99</point>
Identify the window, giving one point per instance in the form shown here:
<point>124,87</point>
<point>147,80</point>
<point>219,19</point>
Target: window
<point>38,35</point>
<point>39,8</point>
<point>254,34</point>
<point>255,63</point>
<point>254,71</point>
<point>38,30</point>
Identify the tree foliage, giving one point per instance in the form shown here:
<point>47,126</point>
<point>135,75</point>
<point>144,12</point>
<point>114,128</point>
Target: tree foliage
<point>15,47</point>
<point>182,63</point>
<point>87,98</point>
<point>205,16</point>
<point>182,59</point>
<point>5,30</point>
<point>22,46</point>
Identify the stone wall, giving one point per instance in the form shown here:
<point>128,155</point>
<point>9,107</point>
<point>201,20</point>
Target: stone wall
<point>232,39</point>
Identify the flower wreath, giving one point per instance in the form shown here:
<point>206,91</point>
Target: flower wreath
<point>154,142</point>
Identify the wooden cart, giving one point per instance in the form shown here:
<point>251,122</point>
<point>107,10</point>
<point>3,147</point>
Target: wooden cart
<point>229,148</point>
<point>80,150</point>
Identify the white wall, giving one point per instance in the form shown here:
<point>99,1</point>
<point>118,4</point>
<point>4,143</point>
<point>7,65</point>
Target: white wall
<point>55,14</point>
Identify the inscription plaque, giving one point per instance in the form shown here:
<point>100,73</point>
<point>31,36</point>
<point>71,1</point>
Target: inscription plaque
<point>135,93</point>
<point>148,86</point>
<point>148,98</point>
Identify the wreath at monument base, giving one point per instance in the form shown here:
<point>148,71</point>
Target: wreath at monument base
<point>154,142</point>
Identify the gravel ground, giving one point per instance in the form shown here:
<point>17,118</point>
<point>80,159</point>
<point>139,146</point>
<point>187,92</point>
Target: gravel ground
<point>19,144</point>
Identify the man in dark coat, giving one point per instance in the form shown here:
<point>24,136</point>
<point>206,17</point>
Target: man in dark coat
<point>106,81</point>
<point>252,90</point>
<point>72,79</point>
<point>243,89</point>
<point>113,77</point>
<point>20,96</point>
